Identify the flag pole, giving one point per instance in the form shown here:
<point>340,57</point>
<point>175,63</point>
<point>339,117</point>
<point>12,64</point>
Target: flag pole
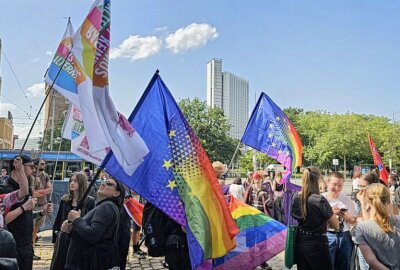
<point>55,168</point>
<point>44,101</point>
<point>233,157</point>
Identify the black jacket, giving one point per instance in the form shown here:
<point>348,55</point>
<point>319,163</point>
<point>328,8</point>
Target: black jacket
<point>63,210</point>
<point>96,229</point>
<point>21,227</point>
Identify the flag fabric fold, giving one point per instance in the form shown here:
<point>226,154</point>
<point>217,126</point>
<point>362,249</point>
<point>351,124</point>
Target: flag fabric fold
<point>270,131</point>
<point>260,238</point>
<point>383,173</point>
<point>86,86</point>
<point>134,210</point>
<point>177,177</point>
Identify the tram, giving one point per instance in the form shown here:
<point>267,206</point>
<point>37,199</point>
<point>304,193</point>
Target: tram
<point>67,162</point>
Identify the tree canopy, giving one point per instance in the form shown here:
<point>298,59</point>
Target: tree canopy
<point>212,128</point>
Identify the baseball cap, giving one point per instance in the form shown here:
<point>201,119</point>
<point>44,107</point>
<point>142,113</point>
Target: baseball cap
<point>26,161</point>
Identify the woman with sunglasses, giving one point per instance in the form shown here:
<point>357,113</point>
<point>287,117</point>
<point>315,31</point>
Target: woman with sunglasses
<point>93,242</point>
<point>76,188</point>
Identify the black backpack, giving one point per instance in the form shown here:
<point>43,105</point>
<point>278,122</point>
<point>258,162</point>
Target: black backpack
<point>155,229</point>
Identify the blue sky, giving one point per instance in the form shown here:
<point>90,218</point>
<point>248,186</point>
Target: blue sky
<point>339,56</point>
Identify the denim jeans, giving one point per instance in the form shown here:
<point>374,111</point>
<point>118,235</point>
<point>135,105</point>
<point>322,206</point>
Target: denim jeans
<point>312,252</point>
<point>340,247</point>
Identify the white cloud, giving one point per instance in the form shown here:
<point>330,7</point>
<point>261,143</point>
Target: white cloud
<point>137,47</point>
<point>5,107</point>
<point>161,29</point>
<point>192,36</point>
<point>49,52</point>
<point>33,60</point>
<point>36,90</point>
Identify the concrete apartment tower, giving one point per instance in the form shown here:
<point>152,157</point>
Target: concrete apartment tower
<point>229,92</point>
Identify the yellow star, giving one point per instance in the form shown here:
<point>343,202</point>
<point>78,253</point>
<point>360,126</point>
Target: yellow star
<point>271,125</point>
<point>279,151</point>
<point>270,135</point>
<point>278,118</point>
<point>273,144</point>
<point>287,153</point>
<point>284,120</point>
<point>171,184</point>
<point>167,164</point>
<point>172,133</point>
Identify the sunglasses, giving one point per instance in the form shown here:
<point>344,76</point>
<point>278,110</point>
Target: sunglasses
<point>109,183</point>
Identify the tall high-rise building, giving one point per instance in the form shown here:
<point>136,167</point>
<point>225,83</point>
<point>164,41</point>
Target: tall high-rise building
<point>230,93</point>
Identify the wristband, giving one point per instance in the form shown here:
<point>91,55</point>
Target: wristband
<point>22,208</point>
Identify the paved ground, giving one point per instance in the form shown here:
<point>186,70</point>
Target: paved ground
<point>44,249</point>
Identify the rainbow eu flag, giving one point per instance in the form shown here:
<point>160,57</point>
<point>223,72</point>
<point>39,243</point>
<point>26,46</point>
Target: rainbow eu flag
<point>177,177</point>
<point>270,131</point>
<point>260,239</point>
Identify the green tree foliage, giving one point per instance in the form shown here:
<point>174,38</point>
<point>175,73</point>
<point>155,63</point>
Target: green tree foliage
<point>262,160</point>
<point>211,127</point>
<point>326,136</point>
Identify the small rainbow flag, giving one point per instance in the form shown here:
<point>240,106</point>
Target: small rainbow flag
<point>260,238</point>
<point>134,210</point>
<point>383,173</point>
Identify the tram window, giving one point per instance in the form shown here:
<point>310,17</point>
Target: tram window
<point>50,170</point>
<point>72,167</point>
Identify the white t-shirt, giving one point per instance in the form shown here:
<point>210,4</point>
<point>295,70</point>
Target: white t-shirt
<point>237,191</point>
<point>343,201</point>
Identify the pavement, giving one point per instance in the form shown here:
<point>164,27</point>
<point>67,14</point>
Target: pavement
<point>44,249</point>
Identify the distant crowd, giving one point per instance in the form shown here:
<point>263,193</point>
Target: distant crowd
<point>334,230</point>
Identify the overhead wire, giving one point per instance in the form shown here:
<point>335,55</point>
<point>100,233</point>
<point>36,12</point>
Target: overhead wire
<point>16,78</point>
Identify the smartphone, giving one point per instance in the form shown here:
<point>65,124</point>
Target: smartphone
<point>342,210</point>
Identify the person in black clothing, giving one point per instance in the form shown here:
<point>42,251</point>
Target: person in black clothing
<point>124,232</point>
<point>313,212</point>
<point>93,242</point>
<point>76,188</point>
<point>22,226</point>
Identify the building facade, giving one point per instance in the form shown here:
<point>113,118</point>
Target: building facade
<point>56,107</point>
<point>6,132</point>
<point>229,92</point>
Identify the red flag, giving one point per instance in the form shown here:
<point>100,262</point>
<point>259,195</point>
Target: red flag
<point>383,173</point>
<point>135,210</point>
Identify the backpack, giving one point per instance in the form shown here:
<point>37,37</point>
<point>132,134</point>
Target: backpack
<point>155,230</point>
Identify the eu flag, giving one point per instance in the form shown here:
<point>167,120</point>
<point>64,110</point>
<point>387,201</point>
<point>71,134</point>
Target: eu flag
<point>270,131</point>
<point>176,176</point>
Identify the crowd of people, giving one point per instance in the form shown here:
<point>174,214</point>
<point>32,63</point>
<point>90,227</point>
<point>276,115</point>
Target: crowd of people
<point>334,231</point>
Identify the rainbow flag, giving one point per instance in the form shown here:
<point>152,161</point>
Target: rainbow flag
<point>270,131</point>
<point>134,210</point>
<point>84,81</point>
<point>260,239</point>
<point>383,173</point>
<point>177,177</point>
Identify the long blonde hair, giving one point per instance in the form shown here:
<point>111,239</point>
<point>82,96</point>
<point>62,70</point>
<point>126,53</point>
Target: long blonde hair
<point>311,176</point>
<point>379,197</point>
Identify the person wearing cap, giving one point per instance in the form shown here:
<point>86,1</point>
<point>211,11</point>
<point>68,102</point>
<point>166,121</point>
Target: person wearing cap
<point>93,242</point>
<point>20,219</point>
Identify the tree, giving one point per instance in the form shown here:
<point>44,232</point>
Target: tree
<point>211,127</point>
